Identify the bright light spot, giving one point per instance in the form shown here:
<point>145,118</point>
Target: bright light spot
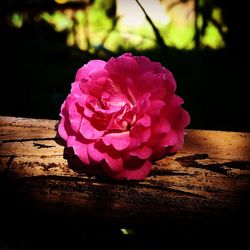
<point>17,20</point>
<point>60,21</point>
<point>213,37</point>
<point>132,15</point>
<point>217,15</point>
<point>225,29</point>
<point>70,39</point>
<point>126,231</point>
<point>61,1</point>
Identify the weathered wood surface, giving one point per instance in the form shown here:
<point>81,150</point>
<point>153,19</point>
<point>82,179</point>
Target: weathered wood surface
<point>208,178</point>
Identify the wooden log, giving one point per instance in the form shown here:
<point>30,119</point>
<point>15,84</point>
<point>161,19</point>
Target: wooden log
<point>208,179</point>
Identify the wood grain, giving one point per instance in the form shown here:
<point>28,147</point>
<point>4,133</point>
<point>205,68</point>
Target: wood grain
<point>208,178</point>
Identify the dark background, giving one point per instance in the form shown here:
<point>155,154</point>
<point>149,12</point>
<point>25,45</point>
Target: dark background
<point>37,69</point>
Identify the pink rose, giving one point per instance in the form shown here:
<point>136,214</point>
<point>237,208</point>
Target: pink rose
<point>122,115</point>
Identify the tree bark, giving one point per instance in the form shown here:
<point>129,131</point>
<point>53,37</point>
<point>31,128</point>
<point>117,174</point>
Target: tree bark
<point>208,179</point>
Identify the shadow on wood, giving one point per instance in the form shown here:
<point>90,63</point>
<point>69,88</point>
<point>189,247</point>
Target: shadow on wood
<point>203,188</point>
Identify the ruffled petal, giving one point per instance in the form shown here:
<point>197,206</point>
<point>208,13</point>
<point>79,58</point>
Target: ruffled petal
<point>155,107</point>
<point>170,139</point>
<point>169,80</point>
<point>115,164</point>
<point>146,65</point>
<point>124,65</point>
<point>142,153</point>
<point>86,69</point>
<point>176,101</point>
<point>145,121</point>
<point>119,141</point>
<point>75,117</point>
<point>80,147</point>
<point>64,128</point>
<point>153,84</point>
<point>88,131</point>
<point>177,116</point>
<point>75,90</point>
<point>112,157</point>
<point>184,120</point>
<point>94,153</point>
<point>140,173</point>
<point>140,132</point>
<point>163,126</point>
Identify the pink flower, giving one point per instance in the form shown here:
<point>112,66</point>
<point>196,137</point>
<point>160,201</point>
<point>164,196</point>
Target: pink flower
<point>122,115</point>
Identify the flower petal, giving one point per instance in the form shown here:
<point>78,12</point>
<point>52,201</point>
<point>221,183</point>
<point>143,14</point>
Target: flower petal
<point>138,131</point>
<point>140,173</point>
<point>115,164</point>
<point>75,117</point>
<point>86,69</point>
<point>169,80</point>
<point>124,65</point>
<point>155,107</point>
<point>184,120</point>
<point>80,148</point>
<point>88,131</point>
<point>139,170</point>
<point>64,128</point>
<point>146,65</point>
<point>75,90</point>
<point>177,116</point>
<point>163,126</point>
<point>176,100</point>
<point>94,153</point>
<point>99,151</point>
<point>142,153</point>
<point>170,139</point>
<point>119,141</point>
<point>145,121</point>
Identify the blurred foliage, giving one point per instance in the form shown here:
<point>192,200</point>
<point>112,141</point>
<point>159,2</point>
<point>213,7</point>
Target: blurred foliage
<point>98,25</point>
<point>60,21</point>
